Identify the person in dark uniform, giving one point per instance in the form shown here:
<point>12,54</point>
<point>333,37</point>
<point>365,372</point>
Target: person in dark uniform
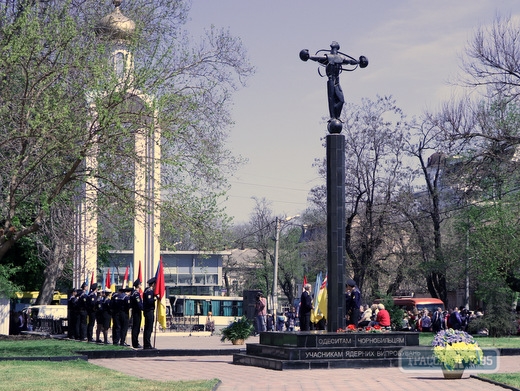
<point>91,312</point>
<point>81,319</point>
<point>99,315</point>
<point>71,314</point>
<point>124,315</point>
<point>305,309</point>
<point>116,305</point>
<point>76,315</point>
<point>148,312</point>
<point>106,315</point>
<point>136,304</point>
<point>352,302</point>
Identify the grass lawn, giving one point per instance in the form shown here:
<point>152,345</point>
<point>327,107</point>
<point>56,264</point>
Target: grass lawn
<point>56,376</point>
<point>79,375</point>
<point>511,379</point>
<point>72,375</point>
<point>425,339</point>
<point>45,347</point>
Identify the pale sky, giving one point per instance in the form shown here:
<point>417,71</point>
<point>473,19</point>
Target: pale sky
<point>414,49</point>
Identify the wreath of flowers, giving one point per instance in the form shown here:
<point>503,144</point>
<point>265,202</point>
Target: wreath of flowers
<point>368,329</point>
<point>456,348</point>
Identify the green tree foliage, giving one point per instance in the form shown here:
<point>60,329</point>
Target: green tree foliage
<point>28,267</point>
<point>61,100</point>
<point>7,287</point>
<point>494,247</point>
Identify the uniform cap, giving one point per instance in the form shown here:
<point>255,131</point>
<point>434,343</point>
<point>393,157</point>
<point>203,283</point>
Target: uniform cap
<point>152,280</point>
<point>351,282</point>
<point>137,282</point>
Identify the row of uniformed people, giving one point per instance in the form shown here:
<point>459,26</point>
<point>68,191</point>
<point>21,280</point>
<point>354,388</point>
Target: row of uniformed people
<point>104,307</point>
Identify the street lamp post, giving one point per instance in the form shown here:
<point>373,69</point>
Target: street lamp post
<point>277,228</point>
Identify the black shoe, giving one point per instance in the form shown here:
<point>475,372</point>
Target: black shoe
<point>148,347</point>
<point>99,341</point>
<point>124,344</point>
<point>137,347</point>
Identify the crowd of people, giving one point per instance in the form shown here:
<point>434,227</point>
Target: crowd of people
<point>425,321</point>
<point>361,316</point>
<point>121,311</point>
<point>356,314</point>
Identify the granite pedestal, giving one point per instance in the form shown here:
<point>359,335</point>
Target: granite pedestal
<point>322,349</point>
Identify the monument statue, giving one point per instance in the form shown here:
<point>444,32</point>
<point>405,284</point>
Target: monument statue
<point>334,63</point>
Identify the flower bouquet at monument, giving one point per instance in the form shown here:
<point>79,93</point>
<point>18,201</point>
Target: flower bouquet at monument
<point>374,329</point>
<point>456,349</point>
<point>349,329</point>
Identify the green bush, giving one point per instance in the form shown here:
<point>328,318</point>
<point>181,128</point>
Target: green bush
<point>239,329</point>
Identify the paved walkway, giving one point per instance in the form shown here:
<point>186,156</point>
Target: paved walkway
<point>244,378</point>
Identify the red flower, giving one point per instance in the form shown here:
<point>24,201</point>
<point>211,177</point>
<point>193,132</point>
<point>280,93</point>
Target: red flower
<point>377,327</point>
<point>351,327</point>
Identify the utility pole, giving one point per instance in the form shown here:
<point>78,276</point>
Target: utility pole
<point>277,228</point>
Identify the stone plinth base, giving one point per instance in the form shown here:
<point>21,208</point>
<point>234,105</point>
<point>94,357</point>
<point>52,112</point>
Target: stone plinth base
<point>321,349</point>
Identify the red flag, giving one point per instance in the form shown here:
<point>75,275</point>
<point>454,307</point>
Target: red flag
<point>160,291</point>
<point>304,280</point>
<point>92,280</point>
<point>140,277</point>
<point>324,283</point>
<point>125,280</point>
<point>108,281</point>
<point>159,281</point>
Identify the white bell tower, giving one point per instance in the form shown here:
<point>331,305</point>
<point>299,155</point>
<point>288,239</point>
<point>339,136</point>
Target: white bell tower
<point>118,29</point>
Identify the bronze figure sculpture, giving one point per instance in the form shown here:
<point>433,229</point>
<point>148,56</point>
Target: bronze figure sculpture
<point>334,63</point>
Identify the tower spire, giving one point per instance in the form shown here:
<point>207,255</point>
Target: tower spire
<point>116,25</point>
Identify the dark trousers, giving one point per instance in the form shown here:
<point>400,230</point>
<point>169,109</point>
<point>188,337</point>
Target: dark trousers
<point>305,322</point>
<point>90,325</point>
<point>71,328</point>
<point>82,324</point>
<point>148,328</point>
<point>76,324</point>
<point>136,327</point>
<point>124,319</point>
<point>354,316</point>
<point>116,328</point>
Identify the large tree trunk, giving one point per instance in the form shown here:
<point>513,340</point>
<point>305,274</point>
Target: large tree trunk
<point>53,270</point>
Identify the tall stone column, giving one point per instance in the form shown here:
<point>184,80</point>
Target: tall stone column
<point>335,231</point>
<point>86,220</point>
<point>147,222</point>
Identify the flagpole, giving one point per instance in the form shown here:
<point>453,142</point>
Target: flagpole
<point>155,328</point>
